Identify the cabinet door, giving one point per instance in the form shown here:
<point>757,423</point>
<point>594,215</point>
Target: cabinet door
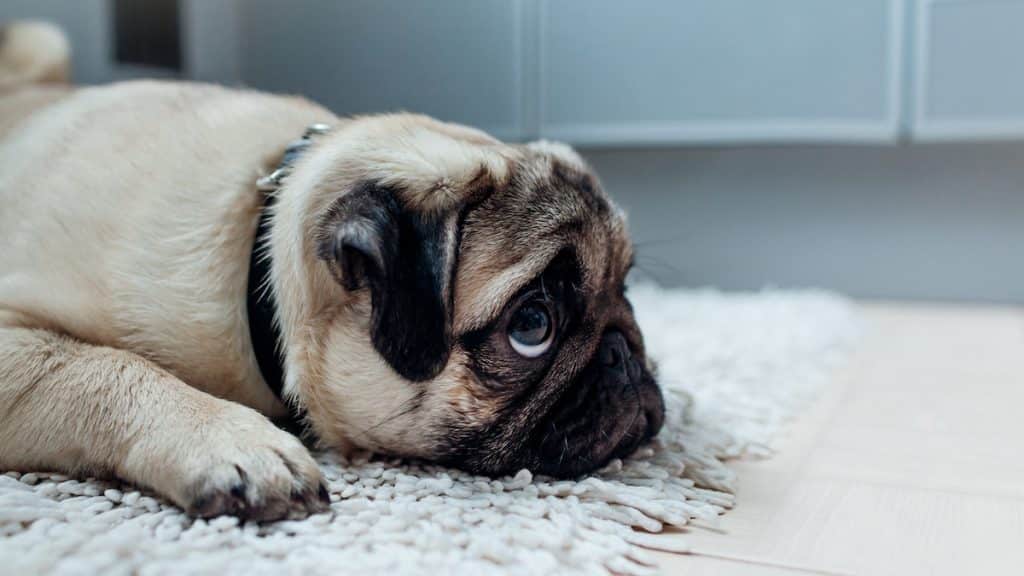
<point>969,69</point>
<point>682,71</point>
<point>457,60</point>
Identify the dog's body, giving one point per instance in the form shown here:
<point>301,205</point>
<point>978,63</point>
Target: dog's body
<point>128,216</point>
<point>134,236</point>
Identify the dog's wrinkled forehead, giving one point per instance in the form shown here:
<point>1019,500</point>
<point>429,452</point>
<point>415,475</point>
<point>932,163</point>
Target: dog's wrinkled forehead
<point>431,164</point>
<point>552,203</point>
<point>509,209</point>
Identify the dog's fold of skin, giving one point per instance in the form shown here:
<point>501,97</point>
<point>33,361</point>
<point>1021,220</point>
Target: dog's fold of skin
<point>403,254</point>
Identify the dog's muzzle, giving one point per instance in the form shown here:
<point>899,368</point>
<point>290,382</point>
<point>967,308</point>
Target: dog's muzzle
<point>612,407</point>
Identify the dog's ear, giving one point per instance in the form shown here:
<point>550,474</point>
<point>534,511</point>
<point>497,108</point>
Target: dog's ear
<point>404,258</point>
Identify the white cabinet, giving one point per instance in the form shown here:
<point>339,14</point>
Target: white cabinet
<point>458,60</point>
<point>695,71</point>
<point>968,80</point>
<point>614,72</point>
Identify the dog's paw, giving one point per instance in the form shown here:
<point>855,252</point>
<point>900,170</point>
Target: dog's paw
<point>245,467</point>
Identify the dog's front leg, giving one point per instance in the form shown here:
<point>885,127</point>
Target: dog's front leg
<point>81,409</point>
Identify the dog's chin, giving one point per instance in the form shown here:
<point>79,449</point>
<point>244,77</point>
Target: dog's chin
<point>606,414</point>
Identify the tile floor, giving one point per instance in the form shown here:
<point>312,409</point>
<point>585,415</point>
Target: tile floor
<point>913,463</point>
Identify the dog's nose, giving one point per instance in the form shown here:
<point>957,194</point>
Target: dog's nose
<point>614,351</point>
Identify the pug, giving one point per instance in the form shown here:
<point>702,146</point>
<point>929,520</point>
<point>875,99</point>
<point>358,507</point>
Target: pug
<point>177,272</point>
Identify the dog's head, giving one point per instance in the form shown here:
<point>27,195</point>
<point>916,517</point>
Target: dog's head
<point>446,296</point>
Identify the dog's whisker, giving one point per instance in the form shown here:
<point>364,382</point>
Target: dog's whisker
<point>659,262</point>
<point>660,241</point>
<point>403,409</point>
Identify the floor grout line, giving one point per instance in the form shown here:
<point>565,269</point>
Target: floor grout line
<point>769,563</point>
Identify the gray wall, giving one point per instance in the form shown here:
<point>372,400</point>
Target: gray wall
<point>926,221</point>
<point>943,221</point>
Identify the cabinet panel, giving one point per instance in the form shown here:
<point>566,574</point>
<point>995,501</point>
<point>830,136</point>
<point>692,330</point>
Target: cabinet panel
<point>457,60</point>
<point>678,71</point>
<point>968,80</point>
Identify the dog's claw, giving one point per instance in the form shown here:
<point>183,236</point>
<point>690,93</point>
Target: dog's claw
<point>267,475</point>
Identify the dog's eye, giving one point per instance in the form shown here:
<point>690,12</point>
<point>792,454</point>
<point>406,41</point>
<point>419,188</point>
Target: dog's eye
<point>531,330</point>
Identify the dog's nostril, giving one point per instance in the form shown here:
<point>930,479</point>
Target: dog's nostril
<point>654,412</point>
<point>653,419</point>
<point>610,356</point>
<point>614,350</point>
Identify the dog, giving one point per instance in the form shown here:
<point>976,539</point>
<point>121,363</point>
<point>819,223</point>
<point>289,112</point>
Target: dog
<point>177,271</point>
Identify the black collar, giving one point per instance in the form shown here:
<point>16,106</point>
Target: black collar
<point>263,331</point>
<point>266,341</point>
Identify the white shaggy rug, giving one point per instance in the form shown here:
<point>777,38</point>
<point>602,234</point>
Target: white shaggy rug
<point>733,368</point>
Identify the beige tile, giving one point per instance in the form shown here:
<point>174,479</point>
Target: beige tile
<point>866,529</point>
<point>956,371</point>
<point>934,401</point>
<point>958,463</point>
<point>911,464</point>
